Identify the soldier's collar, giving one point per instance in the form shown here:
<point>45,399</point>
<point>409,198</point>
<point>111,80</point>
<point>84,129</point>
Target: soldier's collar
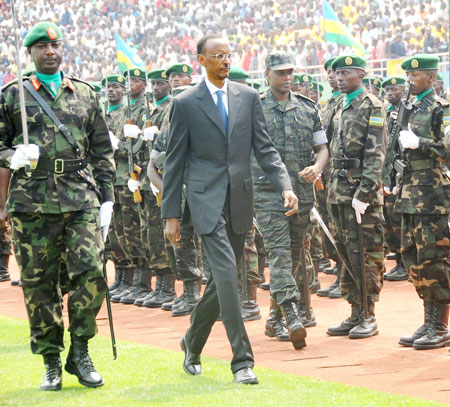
<point>65,82</point>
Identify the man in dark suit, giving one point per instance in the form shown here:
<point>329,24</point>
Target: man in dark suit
<point>213,129</point>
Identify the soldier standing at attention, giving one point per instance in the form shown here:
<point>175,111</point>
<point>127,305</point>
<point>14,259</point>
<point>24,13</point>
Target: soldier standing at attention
<point>395,90</point>
<point>56,205</point>
<point>295,129</point>
<point>357,150</point>
<point>424,202</point>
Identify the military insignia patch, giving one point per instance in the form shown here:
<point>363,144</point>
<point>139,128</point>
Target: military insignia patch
<point>52,34</point>
<point>348,61</point>
<point>163,75</point>
<point>305,78</point>
<point>376,121</point>
<point>137,72</point>
<point>414,63</point>
<point>185,68</point>
<point>446,120</point>
<point>393,81</point>
<point>119,79</point>
<point>375,81</point>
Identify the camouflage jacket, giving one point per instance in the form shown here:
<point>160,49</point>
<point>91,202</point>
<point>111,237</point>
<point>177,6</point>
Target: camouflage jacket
<point>425,185</point>
<point>77,106</point>
<point>158,153</point>
<point>114,118</point>
<point>364,137</point>
<point>292,133</point>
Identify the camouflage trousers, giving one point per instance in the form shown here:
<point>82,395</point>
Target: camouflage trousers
<point>346,229</point>
<point>115,248</point>
<point>251,260</point>
<point>425,251</point>
<point>43,241</point>
<point>392,225</point>
<point>186,255</point>
<point>5,239</point>
<point>284,237</point>
<point>127,225</point>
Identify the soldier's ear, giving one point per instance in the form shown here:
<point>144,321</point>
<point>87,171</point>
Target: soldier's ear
<point>29,50</point>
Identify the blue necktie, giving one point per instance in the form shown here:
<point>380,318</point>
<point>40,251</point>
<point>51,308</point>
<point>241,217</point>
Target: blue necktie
<point>222,111</point>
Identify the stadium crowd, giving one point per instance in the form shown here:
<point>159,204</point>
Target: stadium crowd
<point>164,32</point>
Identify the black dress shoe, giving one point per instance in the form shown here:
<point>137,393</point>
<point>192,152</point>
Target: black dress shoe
<point>265,286</point>
<point>245,376</point>
<point>53,373</point>
<point>391,256</point>
<point>191,363</point>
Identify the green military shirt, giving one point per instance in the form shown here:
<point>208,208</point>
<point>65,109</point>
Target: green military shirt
<point>114,118</point>
<point>364,137</point>
<point>295,130</point>
<point>77,106</point>
<point>426,186</point>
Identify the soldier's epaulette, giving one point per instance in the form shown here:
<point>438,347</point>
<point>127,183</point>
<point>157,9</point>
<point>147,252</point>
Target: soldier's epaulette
<point>300,96</point>
<point>75,79</point>
<point>442,102</point>
<point>13,82</point>
<point>375,101</point>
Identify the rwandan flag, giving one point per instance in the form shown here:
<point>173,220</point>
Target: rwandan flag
<point>335,31</point>
<point>127,56</point>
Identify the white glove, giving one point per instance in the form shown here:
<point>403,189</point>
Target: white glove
<point>395,190</point>
<point>359,207</point>
<point>408,139</point>
<point>131,131</point>
<point>114,141</point>
<point>133,185</point>
<point>154,189</point>
<point>23,156</point>
<point>387,191</point>
<point>149,133</point>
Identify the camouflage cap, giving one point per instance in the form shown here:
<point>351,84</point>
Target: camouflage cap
<point>119,79</point>
<point>44,31</point>
<point>349,62</point>
<point>158,75</point>
<point>328,63</point>
<point>237,74</point>
<point>180,68</point>
<point>302,78</point>
<point>279,60</point>
<point>373,81</point>
<point>394,80</point>
<point>420,62</point>
<point>318,87</point>
<point>135,73</point>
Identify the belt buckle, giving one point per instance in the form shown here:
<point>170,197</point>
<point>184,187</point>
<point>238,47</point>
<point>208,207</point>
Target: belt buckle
<point>59,166</point>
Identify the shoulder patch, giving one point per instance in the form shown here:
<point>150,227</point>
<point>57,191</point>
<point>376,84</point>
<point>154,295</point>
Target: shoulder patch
<point>376,121</point>
<point>446,120</point>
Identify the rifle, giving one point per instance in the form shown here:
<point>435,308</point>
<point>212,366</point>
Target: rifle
<point>23,112</point>
<point>306,293</point>
<point>362,265</point>
<point>393,164</point>
<point>133,169</point>
<point>104,95</point>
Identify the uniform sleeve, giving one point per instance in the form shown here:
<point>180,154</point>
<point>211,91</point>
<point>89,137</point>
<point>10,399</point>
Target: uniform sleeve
<point>7,128</point>
<point>319,136</point>
<point>374,153</point>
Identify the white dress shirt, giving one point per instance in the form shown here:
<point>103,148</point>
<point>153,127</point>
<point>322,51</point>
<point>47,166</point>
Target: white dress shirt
<point>213,89</point>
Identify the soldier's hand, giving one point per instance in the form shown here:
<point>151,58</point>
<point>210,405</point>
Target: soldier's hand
<point>4,216</point>
<point>360,208</point>
<point>24,155</point>
<point>133,185</point>
<point>172,231</point>
<point>408,139</point>
<point>114,141</point>
<point>149,133</point>
<point>310,174</point>
<point>131,131</point>
<point>290,201</point>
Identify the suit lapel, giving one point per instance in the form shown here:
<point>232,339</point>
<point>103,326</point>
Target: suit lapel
<point>206,105</point>
<point>234,106</point>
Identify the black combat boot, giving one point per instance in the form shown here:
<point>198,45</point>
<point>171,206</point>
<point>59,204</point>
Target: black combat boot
<point>297,332</point>
<point>141,286</point>
<point>79,363</point>
<point>398,273</point>
<point>140,302</point>
<point>437,335</point>
<point>4,271</point>
<point>126,282</point>
<point>331,269</point>
<point>422,330</point>
<point>118,276</point>
<point>336,285</point>
<point>275,326</point>
<point>307,323</point>
<point>249,309</point>
<point>324,263</point>
<point>344,328</point>
<point>367,327</point>
<point>190,299</point>
<point>53,373</point>
<point>167,293</point>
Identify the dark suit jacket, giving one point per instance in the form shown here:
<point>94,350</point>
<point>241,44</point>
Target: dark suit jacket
<point>217,161</point>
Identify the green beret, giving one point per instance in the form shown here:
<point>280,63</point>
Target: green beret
<point>318,87</point>
<point>237,74</point>
<point>420,62</point>
<point>158,75</point>
<point>45,31</point>
<point>254,85</point>
<point>97,87</point>
<point>348,62</point>
<point>328,63</point>
<point>302,78</point>
<point>439,77</point>
<point>114,79</point>
<point>394,80</point>
<point>374,81</point>
<point>179,68</point>
<point>135,73</point>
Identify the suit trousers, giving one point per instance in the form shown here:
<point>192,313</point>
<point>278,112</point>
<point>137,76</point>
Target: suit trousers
<point>223,249</point>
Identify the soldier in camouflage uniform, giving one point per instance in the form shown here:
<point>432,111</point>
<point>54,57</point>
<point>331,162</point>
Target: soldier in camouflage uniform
<point>395,90</point>
<point>185,262</point>
<point>357,151</point>
<point>5,228</point>
<point>373,86</point>
<point>439,86</point>
<point>295,129</point>
<point>424,201</point>
<point>55,204</point>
